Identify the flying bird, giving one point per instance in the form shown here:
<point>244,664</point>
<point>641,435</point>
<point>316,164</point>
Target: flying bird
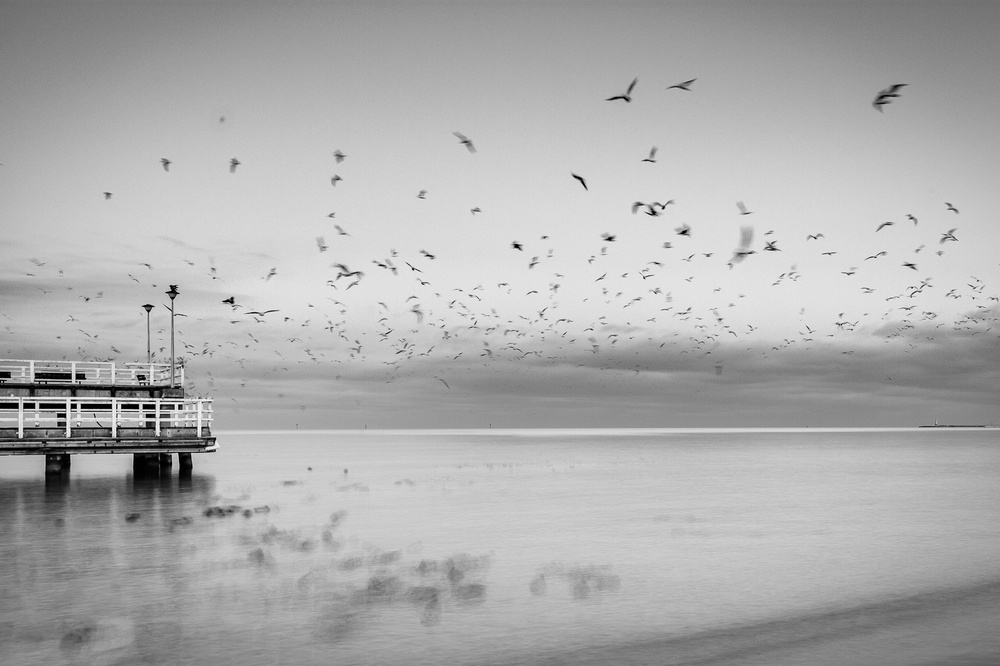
<point>233,163</point>
<point>951,208</point>
<point>683,230</point>
<point>422,194</point>
<point>743,209</point>
<point>466,141</point>
<point>628,93</point>
<point>882,226</point>
<point>166,163</point>
<point>321,243</point>
<point>686,85</point>
<point>339,156</point>
<point>581,179</point>
<point>334,179</point>
<point>652,156</point>
<point>517,246</point>
<point>886,96</point>
<point>107,195</point>
<point>949,235</point>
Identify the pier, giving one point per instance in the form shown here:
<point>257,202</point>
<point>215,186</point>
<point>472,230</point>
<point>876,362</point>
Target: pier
<point>63,408</point>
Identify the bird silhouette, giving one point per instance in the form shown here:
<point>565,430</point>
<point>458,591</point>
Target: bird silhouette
<point>883,226</point>
<point>107,195</point>
<point>743,209</point>
<point>652,156</point>
<point>233,163</point>
<point>627,96</point>
<point>951,208</point>
<point>886,96</point>
<point>466,141</point>
<point>321,243</point>
<point>166,163</point>
<point>339,156</point>
<point>334,179</point>
<point>581,179</point>
<point>686,85</point>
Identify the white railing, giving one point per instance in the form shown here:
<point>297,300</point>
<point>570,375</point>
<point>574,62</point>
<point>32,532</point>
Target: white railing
<point>72,413</point>
<point>89,372</point>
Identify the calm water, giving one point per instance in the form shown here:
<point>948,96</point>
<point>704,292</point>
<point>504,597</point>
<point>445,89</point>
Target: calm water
<point>470,547</point>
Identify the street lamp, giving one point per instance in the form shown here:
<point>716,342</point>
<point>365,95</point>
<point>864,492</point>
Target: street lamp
<point>172,294</point>
<point>149,357</point>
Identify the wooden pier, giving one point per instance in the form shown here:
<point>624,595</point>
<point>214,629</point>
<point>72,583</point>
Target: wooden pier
<point>62,408</point>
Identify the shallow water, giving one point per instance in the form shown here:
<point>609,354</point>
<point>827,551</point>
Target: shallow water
<point>462,547</point>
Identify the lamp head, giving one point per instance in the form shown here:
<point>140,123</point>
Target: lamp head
<point>147,307</point>
<point>173,292</point>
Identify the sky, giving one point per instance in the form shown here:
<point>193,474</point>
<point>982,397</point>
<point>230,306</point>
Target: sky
<point>405,279</point>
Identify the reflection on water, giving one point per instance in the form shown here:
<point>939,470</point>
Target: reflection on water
<point>473,549</point>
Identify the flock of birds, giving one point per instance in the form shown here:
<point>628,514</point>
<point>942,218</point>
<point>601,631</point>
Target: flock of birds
<point>559,317</point>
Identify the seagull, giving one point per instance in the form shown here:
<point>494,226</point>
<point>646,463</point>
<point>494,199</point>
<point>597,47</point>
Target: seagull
<point>771,247</point>
<point>628,93</point>
<point>913,219</point>
<point>951,208</point>
<point>340,230</point>
<point>475,210</point>
<point>107,195</point>
<point>339,156</point>
<point>814,237</point>
<point>517,246</point>
<point>321,243</point>
<point>166,163</point>
<point>581,179</point>
<point>686,85</point>
<point>683,230</point>
<point>883,225</point>
<point>465,141</point>
<point>233,163</point>
<point>877,255</point>
<point>334,179</point>
<point>652,156</point>
<point>422,194</point>
<point>743,209</point>
<point>259,313</point>
<point>886,96</point>
<point>910,265</point>
<point>949,235</point>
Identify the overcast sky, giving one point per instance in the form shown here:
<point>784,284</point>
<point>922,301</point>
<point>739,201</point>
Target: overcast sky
<point>606,315</point>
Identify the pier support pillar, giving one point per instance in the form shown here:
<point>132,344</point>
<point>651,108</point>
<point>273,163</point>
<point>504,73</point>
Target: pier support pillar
<point>146,464</point>
<point>184,461</point>
<point>54,463</point>
<point>166,461</point>
<point>66,461</point>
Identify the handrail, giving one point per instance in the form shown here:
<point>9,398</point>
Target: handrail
<point>88,372</point>
<point>70,413</point>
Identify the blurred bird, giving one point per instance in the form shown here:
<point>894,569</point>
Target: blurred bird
<point>339,156</point>
<point>743,209</point>
<point>686,85</point>
<point>166,163</point>
<point>683,230</point>
<point>422,194</point>
<point>321,243</point>
<point>652,156</point>
<point>334,179</point>
<point>581,179</point>
<point>951,208</point>
<point>233,163</point>
<point>882,226</point>
<point>886,96</point>
<point>466,141</point>
<point>627,96</point>
<point>107,195</point>
<point>949,235</point>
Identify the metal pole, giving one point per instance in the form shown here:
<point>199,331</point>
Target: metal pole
<point>172,294</point>
<point>149,357</point>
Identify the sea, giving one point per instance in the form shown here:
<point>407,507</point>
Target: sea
<point>548,546</point>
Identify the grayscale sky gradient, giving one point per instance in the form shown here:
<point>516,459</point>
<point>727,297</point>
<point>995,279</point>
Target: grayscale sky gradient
<point>449,325</point>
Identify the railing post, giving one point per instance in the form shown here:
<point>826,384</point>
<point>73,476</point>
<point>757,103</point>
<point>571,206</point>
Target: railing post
<point>72,373</point>
<point>114,417</point>
<point>199,418</point>
<point>156,415</point>
<point>31,371</point>
<point>113,373</point>
<point>20,418</point>
<point>69,414</point>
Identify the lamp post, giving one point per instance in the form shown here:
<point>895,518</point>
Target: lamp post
<point>149,357</point>
<point>172,294</point>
